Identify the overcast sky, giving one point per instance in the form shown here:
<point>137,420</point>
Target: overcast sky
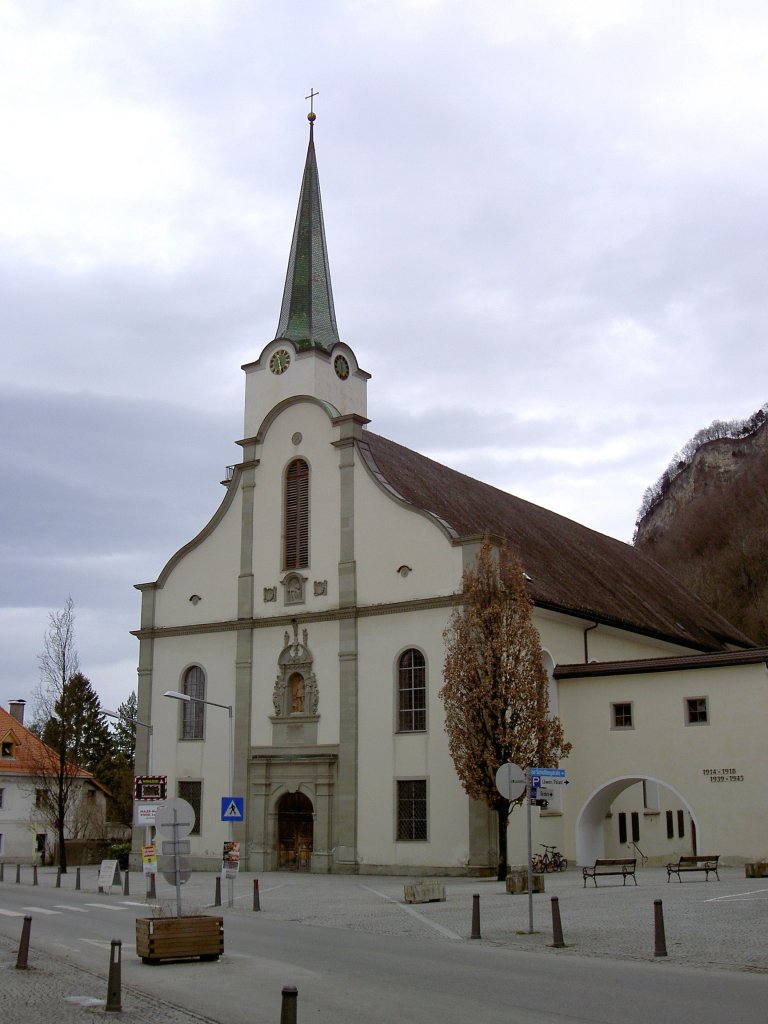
<point>547,227</point>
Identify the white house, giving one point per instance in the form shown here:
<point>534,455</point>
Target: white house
<point>311,609</point>
<point>26,836</point>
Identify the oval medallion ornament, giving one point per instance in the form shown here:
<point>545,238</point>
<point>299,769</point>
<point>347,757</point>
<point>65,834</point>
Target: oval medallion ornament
<point>279,361</point>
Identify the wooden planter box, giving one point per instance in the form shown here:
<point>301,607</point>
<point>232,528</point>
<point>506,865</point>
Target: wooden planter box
<point>756,869</point>
<point>179,938</point>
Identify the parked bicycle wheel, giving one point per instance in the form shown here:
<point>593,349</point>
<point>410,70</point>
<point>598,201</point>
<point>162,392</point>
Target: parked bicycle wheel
<point>563,864</point>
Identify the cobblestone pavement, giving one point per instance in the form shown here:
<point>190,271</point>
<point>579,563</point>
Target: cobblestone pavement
<point>55,990</point>
<point>715,924</point>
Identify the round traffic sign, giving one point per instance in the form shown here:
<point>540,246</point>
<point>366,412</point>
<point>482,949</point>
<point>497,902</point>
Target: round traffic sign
<point>511,781</point>
<point>175,818</point>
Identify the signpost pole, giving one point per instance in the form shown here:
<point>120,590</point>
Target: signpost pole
<point>177,862</point>
<point>528,795</point>
<point>230,880</point>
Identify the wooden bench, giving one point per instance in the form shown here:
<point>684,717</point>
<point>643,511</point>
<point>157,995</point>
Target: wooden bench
<point>693,862</point>
<point>624,866</point>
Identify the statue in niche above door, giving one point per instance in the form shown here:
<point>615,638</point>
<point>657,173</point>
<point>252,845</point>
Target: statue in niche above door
<point>295,692</point>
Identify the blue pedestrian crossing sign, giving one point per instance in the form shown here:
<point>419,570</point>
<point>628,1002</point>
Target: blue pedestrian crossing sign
<point>232,808</point>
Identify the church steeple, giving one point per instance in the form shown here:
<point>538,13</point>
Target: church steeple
<point>307,316</point>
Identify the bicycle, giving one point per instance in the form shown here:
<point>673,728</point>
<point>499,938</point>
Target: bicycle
<point>550,860</point>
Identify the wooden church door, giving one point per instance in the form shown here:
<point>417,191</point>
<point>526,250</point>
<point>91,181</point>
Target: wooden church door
<point>295,821</point>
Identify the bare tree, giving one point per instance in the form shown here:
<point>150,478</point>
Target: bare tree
<point>496,692</point>
<point>56,779</point>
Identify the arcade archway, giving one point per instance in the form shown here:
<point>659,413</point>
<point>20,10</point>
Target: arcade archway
<point>590,824</point>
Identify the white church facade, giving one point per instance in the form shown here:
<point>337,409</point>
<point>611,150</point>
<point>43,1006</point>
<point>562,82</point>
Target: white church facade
<point>307,620</point>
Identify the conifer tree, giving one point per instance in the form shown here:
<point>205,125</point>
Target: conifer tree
<point>495,691</point>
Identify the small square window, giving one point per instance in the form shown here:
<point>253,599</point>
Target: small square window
<point>696,711</point>
<point>6,750</point>
<point>621,716</point>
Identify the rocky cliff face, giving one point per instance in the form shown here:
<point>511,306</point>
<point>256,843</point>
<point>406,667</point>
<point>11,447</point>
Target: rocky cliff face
<point>715,470</point>
<point>710,529</point>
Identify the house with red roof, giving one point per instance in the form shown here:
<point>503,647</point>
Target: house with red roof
<point>28,772</point>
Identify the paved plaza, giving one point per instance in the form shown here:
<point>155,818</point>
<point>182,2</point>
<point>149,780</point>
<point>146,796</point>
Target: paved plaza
<point>713,925</point>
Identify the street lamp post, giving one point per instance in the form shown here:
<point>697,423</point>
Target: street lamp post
<point>150,735</point>
<point>175,695</point>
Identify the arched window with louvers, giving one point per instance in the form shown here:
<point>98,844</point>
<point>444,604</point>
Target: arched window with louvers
<point>296,516</point>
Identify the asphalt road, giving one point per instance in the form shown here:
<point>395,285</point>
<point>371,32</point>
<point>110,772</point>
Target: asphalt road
<point>348,975</point>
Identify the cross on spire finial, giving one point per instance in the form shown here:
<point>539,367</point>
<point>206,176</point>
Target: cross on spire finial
<point>311,115</point>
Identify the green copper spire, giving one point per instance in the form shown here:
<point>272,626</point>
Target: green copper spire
<point>307,316</point>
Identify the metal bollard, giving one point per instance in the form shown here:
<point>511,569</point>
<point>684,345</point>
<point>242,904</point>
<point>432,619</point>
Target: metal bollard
<point>58,877</point>
<point>658,930</point>
<point>217,892</point>
<point>34,874</point>
<point>77,878</point>
<point>126,890</point>
<point>2,871</point>
<point>18,874</point>
<point>475,916</point>
<point>152,887</point>
<point>557,927</point>
<point>288,1008</point>
<point>21,959</point>
<point>256,900</point>
<point>113,983</point>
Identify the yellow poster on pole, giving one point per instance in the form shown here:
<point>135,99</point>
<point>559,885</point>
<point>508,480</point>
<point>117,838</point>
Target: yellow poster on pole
<point>149,859</point>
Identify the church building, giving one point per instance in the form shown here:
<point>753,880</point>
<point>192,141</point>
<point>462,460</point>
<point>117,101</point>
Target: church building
<point>305,621</point>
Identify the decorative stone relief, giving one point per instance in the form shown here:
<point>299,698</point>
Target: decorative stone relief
<point>270,594</point>
<point>293,588</point>
<point>295,694</point>
<point>321,588</point>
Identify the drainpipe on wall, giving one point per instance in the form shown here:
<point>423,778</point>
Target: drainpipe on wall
<point>586,642</point>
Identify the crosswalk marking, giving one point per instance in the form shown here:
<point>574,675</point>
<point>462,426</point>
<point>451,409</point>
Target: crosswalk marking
<point>66,906</point>
<point>11,913</point>
<point>42,910</point>
<point>105,906</point>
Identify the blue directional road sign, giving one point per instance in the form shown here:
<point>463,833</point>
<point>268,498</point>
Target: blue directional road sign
<point>548,777</point>
<point>232,808</point>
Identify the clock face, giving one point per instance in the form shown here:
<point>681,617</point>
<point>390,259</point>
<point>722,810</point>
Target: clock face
<point>341,366</point>
<point>279,361</point>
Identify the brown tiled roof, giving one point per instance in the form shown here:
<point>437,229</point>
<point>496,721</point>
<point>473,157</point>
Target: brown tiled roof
<point>674,664</point>
<point>30,753</point>
<point>572,569</point>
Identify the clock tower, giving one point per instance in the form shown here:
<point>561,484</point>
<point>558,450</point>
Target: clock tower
<point>306,359</point>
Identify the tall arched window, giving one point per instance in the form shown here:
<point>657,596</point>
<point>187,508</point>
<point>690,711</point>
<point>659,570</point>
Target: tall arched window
<point>193,713</point>
<point>411,692</point>
<point>296,551</point>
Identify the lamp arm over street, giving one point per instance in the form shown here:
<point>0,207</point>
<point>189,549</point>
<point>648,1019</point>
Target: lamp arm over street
<point>177,695</point>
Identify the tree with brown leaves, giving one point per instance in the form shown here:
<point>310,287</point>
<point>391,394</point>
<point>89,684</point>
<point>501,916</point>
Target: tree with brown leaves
<point>496,692</point>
